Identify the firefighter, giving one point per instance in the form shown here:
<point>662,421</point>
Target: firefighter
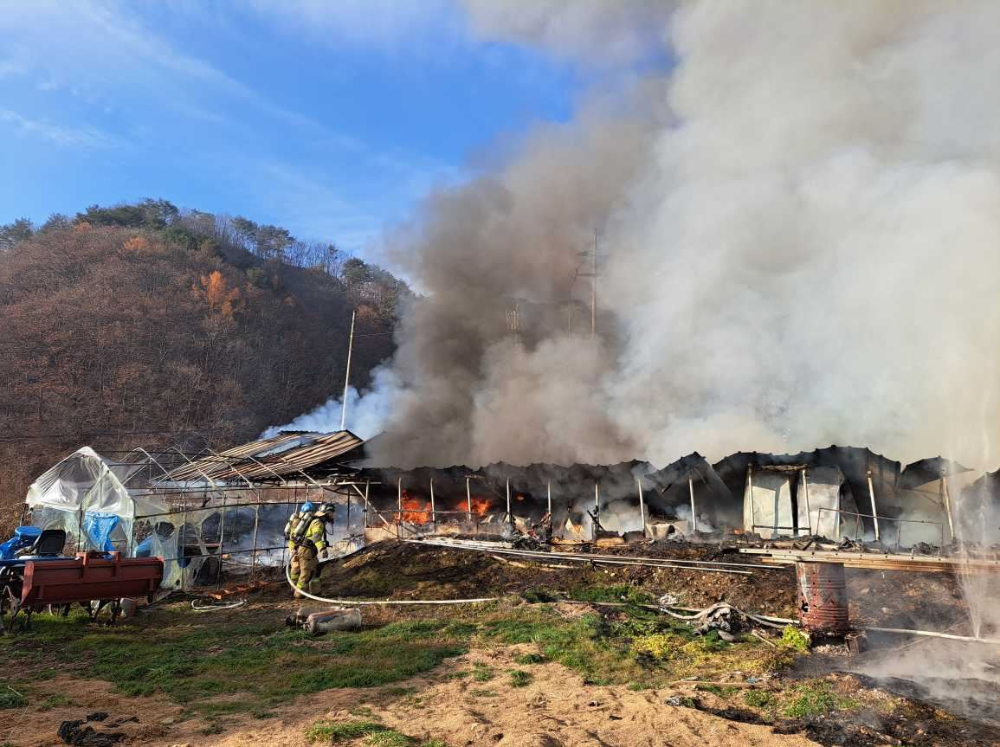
<point>312,547</point>
<point>298,519</point>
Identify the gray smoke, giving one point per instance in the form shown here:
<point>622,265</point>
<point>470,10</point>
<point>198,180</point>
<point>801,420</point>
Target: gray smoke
<point>798,231</point>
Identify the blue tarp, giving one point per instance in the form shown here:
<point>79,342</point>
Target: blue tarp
<point>23,538</point>
<point>98,528</point>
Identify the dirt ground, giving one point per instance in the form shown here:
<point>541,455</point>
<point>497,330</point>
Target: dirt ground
<point>555,709</point>
<point>450,705</point>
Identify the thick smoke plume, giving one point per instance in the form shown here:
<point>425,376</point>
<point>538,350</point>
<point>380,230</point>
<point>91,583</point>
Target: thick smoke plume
<point>797,226</point>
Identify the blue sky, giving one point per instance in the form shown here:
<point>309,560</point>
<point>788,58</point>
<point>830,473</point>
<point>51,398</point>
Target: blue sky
<point>329,118</point>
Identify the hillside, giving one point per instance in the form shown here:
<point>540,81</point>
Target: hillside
<point>142,325</point>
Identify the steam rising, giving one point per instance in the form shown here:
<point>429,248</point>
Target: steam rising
<point>797,231</point>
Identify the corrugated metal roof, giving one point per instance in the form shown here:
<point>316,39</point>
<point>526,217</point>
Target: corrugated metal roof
<point>283,455</point>
<point>292,461</point>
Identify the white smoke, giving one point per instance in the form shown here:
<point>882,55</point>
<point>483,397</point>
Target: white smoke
<point>365,413</point>
<point>797,246</point>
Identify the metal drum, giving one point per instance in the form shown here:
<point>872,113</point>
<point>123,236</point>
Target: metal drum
<point>821,598</point>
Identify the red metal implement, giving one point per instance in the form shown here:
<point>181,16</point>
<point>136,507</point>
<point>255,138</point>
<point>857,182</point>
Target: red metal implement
<point>89,577</point>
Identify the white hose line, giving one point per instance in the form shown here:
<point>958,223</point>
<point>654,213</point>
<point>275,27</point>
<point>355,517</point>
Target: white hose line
<point>358,602</point>
<point>216,607</point>
<point>932,634</point>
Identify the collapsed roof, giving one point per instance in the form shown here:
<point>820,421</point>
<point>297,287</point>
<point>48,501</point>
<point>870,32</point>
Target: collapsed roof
<point>289,455</point>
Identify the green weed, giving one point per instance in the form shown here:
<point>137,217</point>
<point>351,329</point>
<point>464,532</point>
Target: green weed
<point>520,678</point>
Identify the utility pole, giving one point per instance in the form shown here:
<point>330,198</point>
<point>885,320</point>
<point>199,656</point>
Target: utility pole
<point>593,292</point>
<point>347,376</point>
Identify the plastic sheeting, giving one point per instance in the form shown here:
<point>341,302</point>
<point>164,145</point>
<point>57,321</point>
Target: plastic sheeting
<point>767,504</point>
<point>98,528</point>
<point>827,495</point>
<point>82,482</point>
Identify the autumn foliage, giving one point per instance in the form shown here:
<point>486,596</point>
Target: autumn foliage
<point>120,336</point>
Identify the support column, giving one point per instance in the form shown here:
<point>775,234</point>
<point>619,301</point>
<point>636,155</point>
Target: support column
<point>946,502</point>
<point>694,510</point>
<point>468,499</point>
<point>642,506</point>
<point>805,493</point>
<point>871,493</point>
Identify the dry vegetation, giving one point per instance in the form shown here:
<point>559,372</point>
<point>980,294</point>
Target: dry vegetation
<point>142,325</point>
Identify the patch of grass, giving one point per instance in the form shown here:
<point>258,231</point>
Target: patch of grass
<point>481,672</point>
<point>195,661</point>
<point>480,692</point>
<point>759,699</point>
<point>389,738</point>
<point>333,731</point>
<point>794,638</point>
<point>530,659</point>
<point>614,593</point>
<point>520,678</point>
<point>815,698</point>
<point>11,699</point>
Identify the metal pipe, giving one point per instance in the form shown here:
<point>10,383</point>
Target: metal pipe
<point>871,492</point>
<point>433,516</point>
<point>694,514</point>
<point>510,516</point>
<point>347,376</point>
<point>805,492</point>
<point>946,500</point>
<point>642,505</point>
<point>548,492</point>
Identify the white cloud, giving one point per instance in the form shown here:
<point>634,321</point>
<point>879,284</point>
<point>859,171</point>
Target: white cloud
<point>86,138</point>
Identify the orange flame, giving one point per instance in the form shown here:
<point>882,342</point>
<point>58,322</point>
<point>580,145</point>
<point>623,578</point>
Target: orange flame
<point>415,510</point>
<point>479,505</point>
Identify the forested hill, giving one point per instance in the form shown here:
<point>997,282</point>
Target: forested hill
<point>146,325</point>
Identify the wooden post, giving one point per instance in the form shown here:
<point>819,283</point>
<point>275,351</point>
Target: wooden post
<point>749,497</point>
<point>694,514</point>
<point>946,502</point>
<point>399,507</point>
<point>871,493</point>
<point>805,493</point>
<point>468,498</point>
<point>548,492</point>
<point>347,376</point>
<point>642,505</point>
<point>433,515</point>
<point>510,516</point>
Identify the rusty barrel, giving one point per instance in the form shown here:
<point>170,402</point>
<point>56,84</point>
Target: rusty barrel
<point>821,598</point>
